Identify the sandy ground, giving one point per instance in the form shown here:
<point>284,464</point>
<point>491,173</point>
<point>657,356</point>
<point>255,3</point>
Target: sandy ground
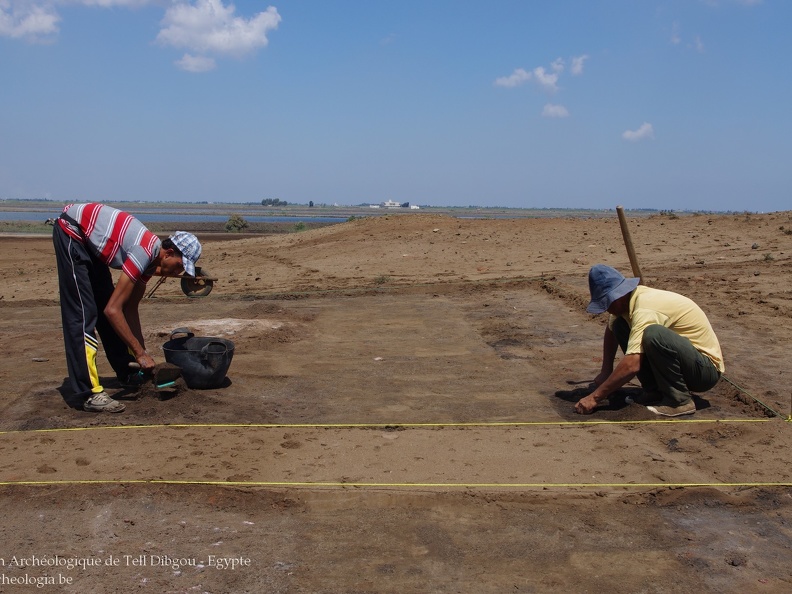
<point>398,417</point>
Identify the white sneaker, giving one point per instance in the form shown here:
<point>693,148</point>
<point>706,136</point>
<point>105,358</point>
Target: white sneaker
<point>674,411</point>
<point>101,402</point>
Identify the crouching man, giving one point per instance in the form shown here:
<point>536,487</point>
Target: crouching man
<point>90,239</point>
<point>667,342</point>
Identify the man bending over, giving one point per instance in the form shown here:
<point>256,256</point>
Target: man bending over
<point>90,239</point>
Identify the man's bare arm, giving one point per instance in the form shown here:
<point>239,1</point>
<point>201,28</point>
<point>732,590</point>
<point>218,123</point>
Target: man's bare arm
<point>127,295</point>
<point>609,347</point>
<point>132,314</point>
<point>627,368</point>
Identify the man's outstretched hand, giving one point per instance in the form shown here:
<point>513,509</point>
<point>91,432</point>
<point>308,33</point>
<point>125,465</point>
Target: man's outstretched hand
<point>586,406</point>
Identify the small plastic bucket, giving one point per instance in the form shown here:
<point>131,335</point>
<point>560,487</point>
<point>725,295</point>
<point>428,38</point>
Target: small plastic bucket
<point>204,361</point>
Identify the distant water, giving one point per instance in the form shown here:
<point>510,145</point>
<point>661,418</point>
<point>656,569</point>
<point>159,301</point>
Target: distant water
<point>175,218</point>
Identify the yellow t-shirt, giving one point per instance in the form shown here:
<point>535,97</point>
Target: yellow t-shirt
<point>675,312</point>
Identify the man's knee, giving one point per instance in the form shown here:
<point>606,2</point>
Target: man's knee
<point>653,337</point>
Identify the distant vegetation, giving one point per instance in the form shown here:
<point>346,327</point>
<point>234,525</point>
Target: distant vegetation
<point>24,227</point>
<point>42,209</point>
<point>236,223</point>
<point>165,228</point>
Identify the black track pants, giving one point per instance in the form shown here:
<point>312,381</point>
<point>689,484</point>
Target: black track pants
<point>85,288</point>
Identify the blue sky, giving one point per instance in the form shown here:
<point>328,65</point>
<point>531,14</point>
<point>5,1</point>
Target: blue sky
<point>667,104</point>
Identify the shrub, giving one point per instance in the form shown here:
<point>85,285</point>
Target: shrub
<point>235,224</point>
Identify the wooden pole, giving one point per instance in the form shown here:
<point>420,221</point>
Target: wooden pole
<point>636,270</point>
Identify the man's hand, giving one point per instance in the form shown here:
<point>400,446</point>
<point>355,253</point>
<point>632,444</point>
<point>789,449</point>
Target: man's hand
<point>627,368</point>
<point>146,362</point>
<point>586,406</point>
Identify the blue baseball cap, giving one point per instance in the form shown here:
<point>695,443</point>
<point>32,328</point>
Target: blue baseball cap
<point>190,249</point>
<point>606,285</point>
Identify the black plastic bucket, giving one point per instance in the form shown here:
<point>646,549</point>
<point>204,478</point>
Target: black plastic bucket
<point>204,361</point>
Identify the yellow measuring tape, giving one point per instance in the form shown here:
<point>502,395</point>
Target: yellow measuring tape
<point>387,485</point>
<point>382,425</point>
<point>296,484</point>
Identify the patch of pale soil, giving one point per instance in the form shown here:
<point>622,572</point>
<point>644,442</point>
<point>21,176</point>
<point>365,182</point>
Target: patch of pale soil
<point>223,327</point>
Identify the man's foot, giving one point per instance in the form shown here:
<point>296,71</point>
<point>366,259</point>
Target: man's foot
<point>101,402</point>
<point>674,411</point>
<point>644,398</point>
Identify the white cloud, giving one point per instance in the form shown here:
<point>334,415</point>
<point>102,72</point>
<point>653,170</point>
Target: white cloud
<point>555,111</point>
<point>645,131</point>
<point>675,37</point>
<point>110,3</point>
<point>698,45</point>
<point>743,2</point>
<point>547,81</point>
<point>192,63</point>
<point>208,26</point>
<point>203,27</point>
<point>515,79</point>
<point>577,64</point>
<point>27,21</point>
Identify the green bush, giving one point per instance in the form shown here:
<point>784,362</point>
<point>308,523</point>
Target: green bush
<point>235,224</point>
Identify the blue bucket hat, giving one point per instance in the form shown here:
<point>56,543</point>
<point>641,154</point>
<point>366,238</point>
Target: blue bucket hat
<point>190,249</point>
<point>606,285</point>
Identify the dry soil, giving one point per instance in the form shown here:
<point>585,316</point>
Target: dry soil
<point>399,417</point>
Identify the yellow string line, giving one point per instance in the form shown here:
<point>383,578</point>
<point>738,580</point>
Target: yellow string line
<point>381,425</point>
<point>384,485</point>
<point>755,399</point>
